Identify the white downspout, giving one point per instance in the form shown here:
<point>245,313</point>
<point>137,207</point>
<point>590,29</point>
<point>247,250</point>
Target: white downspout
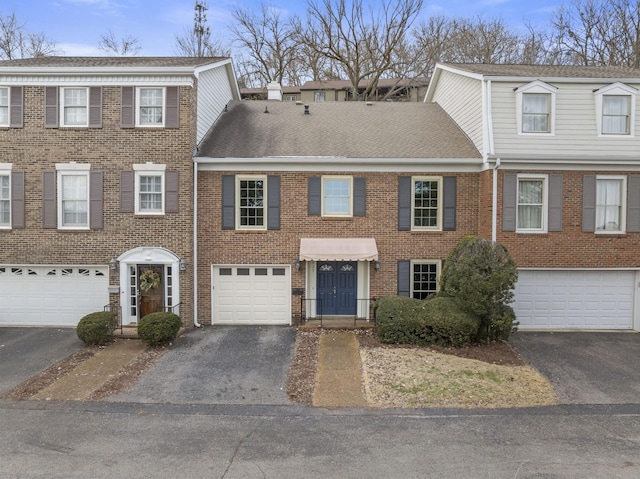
<point>195,244</point>
<point>494,207</point>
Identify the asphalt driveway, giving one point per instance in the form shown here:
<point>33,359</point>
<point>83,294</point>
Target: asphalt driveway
<point>245,365</point>
<point>24,352</point>
<point>586,367</point>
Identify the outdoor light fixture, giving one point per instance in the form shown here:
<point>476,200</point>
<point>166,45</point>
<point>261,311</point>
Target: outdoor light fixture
<point>183,265</point>
<point>113,264</point>
<point>376,265</point>
<point>297,263</point>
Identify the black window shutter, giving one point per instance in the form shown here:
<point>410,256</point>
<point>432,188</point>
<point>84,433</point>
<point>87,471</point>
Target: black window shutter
<point>360,196</point>
<point>171,187</point>
<point>173,107</point>
<point>273,202</point>
<point>509,201</point>
<point>95,107</point>
<point>228,202</point>
<point>51,107</point>
<point>404,278</point>
<point>96,208</point>
<point>16,113</point>
<point>633,215</point>
<point>17,199</point>
<point>127,107</point>
<point>49,205</point>
<point>449,203</point>
<point>555,202</point>
<point>589,203</point>
<point>314,206</point>
<point>404,203</point>
<point>127,187</point>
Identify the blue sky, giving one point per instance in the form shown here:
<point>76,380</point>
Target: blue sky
<point>76,25</point>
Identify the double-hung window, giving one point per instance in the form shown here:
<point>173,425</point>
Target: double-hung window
<point>337,196</point>
<point>535,108</point>
<point>532,204</point>
<point>4,106</point>
<point>426,211</point>
<point>149,189</point>
<point>610,204</point>
<point>424,278</point>
<point>73,199</point>
<point>74,106</point>
<point>150,111</point>
<point>615,110</point>
<point>318,96</point>
<point>5,199</point>
<point>251,202</point>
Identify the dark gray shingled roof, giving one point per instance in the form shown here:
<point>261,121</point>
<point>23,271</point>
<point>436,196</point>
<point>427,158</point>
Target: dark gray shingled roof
<point>547,71</point>
<point>110,62</point>
<point>336,129</point>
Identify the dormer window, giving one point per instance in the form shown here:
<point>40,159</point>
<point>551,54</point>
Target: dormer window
<point>535,108</point>
<point>615,110</point>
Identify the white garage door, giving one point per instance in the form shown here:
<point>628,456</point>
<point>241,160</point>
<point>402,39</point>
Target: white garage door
<point>575,299</point>
<point>51,295</point>
<point>251,294</point>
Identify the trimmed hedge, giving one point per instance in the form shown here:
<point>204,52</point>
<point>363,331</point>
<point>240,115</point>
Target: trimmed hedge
<point>97,328</point>
<point>438,321</point>
<point>159,328</point>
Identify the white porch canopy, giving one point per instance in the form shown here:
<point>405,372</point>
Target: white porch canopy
<point>338,249</point>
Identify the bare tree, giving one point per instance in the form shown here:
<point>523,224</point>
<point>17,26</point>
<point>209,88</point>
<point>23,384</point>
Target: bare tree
<point>268,42</point>
<point>361,44</point>
<point>197,41</point>
<point>125,46</point>
<point>16,42</point>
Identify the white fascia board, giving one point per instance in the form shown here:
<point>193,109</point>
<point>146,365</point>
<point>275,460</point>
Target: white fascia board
<point>85,80</point>
<point>339,164</point>
<point>569,163</point>
<point>544,79</point>
<point>436,76</point>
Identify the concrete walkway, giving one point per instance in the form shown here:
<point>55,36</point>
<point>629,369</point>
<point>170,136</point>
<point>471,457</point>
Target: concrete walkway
<point>91,374</point>
<point>338,375</point>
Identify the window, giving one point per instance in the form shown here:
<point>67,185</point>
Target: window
<point>74,106</point>
<point>424,279</point>
<point>150,187</point>
<point>426,211</point>
<point>251,201</point>
<point>336,196</point>
<point>5,199</point>
<point>73,194</point>
<point>4,107</point>
<point>615,110</point>
<point>318,96</point>
<point>150,110</point>
<point>610,204</point>
<point>532,199</point>
<point>535,108</point>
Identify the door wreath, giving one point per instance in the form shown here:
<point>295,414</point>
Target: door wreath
<point>149,279</point>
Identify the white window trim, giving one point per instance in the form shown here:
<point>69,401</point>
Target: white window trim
<point>623,205</point>
<point>138,106</point>
<point>438,264</point>
<point>545,202</point>
<point>62,107</point>
<point>438,227</point>
<point>536,86</point>
<point>238,207</point>
<point>5,170</point>
<point>148,169</point>
<point>349,214</point>
<point>75,169</point>
<point>616,89</point>
<point>8,107</point>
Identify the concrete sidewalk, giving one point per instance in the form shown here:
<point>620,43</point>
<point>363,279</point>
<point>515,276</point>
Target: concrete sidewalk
<point>338,375</point>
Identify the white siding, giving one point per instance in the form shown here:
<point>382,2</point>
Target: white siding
<point>575,132</point>
<point>214,92</point>
<point>461,98</point>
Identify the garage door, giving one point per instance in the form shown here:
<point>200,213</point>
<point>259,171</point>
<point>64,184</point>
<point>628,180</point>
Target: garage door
<point>51,295</point>
<point>251,294</point>
<point>575,299</point>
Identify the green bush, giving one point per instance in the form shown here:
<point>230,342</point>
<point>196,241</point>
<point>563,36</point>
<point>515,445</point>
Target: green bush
<point>97,328</point>
<point>503,323</point>
<point>159,328</point>
<point>438,321</point>
<point>480,276</point>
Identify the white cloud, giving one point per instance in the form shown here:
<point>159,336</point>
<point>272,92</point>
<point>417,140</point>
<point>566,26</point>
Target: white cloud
<point>78,50</point>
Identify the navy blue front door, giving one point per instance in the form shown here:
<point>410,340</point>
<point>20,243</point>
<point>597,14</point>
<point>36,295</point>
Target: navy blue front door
<point>337,288</point>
